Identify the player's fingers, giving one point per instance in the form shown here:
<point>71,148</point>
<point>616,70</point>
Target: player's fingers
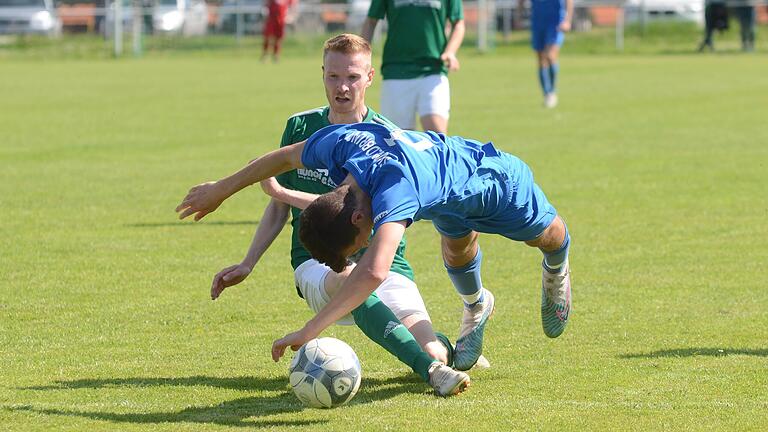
<point>201,214</point>
<point>278,349</point>
<point>216,287</point>
<point>186,212</point>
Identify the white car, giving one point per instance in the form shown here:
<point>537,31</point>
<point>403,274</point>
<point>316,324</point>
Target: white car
<point>181,17</point>
<point>671,10</point>
<point>29,16</point>
<point>185,17</point>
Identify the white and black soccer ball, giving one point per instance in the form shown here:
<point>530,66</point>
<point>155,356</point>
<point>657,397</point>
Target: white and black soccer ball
<point>325,373</point>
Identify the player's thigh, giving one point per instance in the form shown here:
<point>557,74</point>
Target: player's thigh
<point>402,296</point>
<point>435,123</point>
<point>310,279</point>
<point>450,226</point>
<point>528,212</point>
<point>538,37</point>
<point>434,96</point>
<point>398,102</point>
<point>554,39</point>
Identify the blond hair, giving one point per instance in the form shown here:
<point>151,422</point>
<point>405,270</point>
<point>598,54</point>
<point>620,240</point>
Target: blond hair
<point>347,43</point>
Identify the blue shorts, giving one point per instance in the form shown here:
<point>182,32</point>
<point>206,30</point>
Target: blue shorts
<point>506,202</point>
<point>544,35</point>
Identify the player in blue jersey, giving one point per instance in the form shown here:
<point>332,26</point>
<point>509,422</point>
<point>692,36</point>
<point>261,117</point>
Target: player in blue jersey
<point>550,19</point>
<point>389,178</point>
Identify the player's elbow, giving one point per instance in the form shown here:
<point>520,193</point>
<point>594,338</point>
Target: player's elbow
<point>375,276</point>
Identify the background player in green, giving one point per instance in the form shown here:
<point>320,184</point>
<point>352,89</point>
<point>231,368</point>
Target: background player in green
<point>347,73</point>
<point>417,57</point>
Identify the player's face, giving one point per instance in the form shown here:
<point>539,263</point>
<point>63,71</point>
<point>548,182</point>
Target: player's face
<point>346,77</point>
<point>361,218</point>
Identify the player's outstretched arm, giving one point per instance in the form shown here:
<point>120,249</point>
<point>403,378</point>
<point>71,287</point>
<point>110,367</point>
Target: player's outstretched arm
<point>207,197</point>
<point>272,222</point>
<point>294,198</point>
<point>367,275</point>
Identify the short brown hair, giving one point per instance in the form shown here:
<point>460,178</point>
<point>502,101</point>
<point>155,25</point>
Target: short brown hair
<point>347,43</point>
<point>326,228</point>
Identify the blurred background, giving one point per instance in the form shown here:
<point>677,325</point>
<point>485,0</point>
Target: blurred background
<point>135,27</point>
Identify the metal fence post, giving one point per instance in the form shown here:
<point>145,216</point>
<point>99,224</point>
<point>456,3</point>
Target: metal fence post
<point>137,28</point>
<point>118,28</point>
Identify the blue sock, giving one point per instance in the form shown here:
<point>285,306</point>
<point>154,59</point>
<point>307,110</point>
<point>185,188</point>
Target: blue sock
<point>466,279</point>
<point>554,68</point>
<point>555,259</point>
<point>545,80</point>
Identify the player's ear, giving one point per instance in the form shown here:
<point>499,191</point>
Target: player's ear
<point>357,217</point>
<point>371,74</point>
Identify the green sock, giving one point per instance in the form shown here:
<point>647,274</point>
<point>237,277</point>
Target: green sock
<point>378,322</point>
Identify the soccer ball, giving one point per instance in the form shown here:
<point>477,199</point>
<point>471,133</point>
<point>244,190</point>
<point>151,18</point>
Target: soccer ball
<point>325,373</point>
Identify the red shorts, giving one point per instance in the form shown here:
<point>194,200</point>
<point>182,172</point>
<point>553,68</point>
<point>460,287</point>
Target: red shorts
<point>274,28</point>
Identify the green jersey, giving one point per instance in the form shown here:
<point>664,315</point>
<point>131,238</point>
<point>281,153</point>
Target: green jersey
<point>415,35</point>
<point>299,127</point>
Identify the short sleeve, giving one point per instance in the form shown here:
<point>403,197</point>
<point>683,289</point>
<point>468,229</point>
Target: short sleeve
<point>455,11</point>
<point>319,149</point>
<point>287,139</point>
<point>393,198</point>
<point>378,9</point>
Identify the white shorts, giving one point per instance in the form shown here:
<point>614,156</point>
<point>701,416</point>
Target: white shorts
<point>397,291</point>
<point>403,99</point>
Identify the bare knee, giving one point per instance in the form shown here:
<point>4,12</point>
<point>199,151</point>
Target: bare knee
<point>552,237</point>
<point>457,252</point>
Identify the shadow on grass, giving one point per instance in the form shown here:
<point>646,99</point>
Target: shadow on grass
<point>692,352</point>
<point>186,224</point>
<point>242,412</point>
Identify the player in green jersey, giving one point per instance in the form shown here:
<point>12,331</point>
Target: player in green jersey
<point>395,316</point>
<point>417,57</point>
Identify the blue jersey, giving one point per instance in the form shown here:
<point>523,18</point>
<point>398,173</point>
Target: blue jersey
<point>547,12</point>
<point>412,175</point>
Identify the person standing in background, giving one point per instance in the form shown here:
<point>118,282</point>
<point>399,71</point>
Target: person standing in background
<point>745,13</point>
<point>550,19</point>
<point>715,18</point>
<point>417,58</point>
<point>274,27</point>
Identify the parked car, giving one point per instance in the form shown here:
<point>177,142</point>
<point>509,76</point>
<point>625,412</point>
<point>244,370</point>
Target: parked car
<point>29,17</point>
<point>182,17</point>
<point>185,17</point>
<point>254,14</point>
<point>671,10</point>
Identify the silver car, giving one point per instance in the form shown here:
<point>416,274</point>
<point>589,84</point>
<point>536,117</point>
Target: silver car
<point>181,17</point>
<point>29,17</point>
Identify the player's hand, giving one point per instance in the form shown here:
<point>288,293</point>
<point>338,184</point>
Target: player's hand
<point>294,340</point>
<point>202,199</point>
<point>565,26</point>
<point>271,187</point>
<point>450,61</point>
<point>231,275</point>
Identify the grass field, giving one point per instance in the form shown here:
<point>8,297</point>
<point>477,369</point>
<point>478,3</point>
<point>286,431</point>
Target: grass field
<point>658,163</point>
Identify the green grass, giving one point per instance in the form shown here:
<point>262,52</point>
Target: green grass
<point>657,162</point>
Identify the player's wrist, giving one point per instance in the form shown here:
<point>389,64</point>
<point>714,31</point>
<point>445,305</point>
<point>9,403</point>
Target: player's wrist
<point>249,264</point>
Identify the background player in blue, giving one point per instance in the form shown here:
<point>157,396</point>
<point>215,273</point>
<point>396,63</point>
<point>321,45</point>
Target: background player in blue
<point>549,20</point>
<point>389,178</point>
